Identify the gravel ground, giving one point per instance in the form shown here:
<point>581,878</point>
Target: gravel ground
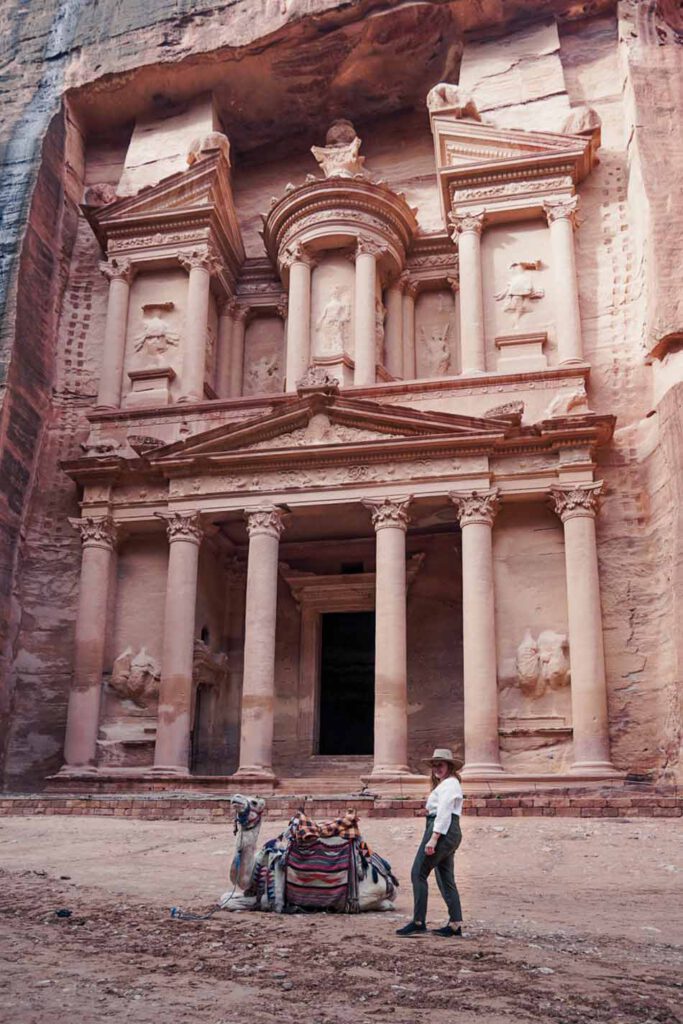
<point>569,921</point>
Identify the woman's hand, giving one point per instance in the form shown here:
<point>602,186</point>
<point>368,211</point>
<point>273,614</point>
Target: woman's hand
<point>430,848</point>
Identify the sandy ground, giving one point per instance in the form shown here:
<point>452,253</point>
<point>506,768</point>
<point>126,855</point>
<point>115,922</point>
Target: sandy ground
<point>568,921</point>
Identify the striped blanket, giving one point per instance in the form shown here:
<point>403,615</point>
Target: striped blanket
<point>319,873</point>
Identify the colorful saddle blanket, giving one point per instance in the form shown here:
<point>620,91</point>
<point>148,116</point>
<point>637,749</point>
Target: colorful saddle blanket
<point>320,874</point>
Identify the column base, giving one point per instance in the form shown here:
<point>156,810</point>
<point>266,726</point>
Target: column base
<point>394,779</point>
<point>572,361</point>
<point>254,778</point>
<point>106,408</point>
<point>170,769</point>
<point>472,373</point>
<point>600,768</point>
<point>186,399</point>
<point>68,770</point>
<point>475,769</point>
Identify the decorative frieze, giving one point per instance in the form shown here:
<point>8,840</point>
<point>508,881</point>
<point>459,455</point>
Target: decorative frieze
<point>476,507</point>
<point>96,531</point>
<point>576,500</point>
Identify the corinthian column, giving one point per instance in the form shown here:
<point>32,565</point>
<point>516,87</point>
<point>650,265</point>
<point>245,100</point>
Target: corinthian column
<point>476,513</point>
<point>390,519</point>
<point>577,507</point>
<point>409,357</point>
<point>365,292</point>
<point>98,537</point>
<point>298,346</point>
<point>225,325</point>
<point>467,229</point>
<point>393,330</point>
<point>119,273</point>
<point>264,526</point>
<point>172,750</point>
<point>240,315</point>
<point>561,214</point>
<point>200,264</point>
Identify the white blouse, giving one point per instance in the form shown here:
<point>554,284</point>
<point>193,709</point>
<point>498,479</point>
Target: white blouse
<point>443,801</point>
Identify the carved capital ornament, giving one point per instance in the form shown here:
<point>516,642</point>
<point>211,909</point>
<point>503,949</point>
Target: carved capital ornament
<point>199,259</point>
<point>368,247</point>
<point>471,222</point>
<point>389,512</point>
<point>476,507</point>
<point>576,500</point>
<point>182,526</point>
<point>267,520</point>
<point>96,531</point>
<point>561,209</point>
<point>117,269</point>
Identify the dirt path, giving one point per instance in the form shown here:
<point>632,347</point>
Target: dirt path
<point>569,921</point>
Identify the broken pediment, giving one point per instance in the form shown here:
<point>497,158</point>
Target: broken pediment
<point>190,207</point>
<point>509,171</point>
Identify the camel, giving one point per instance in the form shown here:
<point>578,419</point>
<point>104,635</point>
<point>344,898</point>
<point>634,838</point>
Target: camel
<point>375,887</point>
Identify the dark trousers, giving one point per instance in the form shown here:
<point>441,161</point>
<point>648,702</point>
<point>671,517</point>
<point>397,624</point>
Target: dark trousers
<point>441,863</point>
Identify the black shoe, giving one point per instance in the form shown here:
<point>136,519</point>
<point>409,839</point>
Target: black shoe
<point>411,929</point>
<point>448,932</point>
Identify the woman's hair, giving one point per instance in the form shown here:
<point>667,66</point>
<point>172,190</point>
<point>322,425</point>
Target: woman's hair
<point>451,771</point>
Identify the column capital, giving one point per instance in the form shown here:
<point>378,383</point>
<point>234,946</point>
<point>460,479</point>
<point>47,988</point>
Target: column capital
<point>408,285</point>
<point>185,526</point>
<point>96,531</point>
<point>199,259</point>
<point>241,312</point>
<point>369,247</point>
<point>266,520</point>
<point>561,209</point>
<point>453,283</point>
<point>471,222</point>
<point>389,512</point>
<point>576,500</point>
<point>297,252</point>
<point>117,269</point>
<point>282,307</point>
<point>476,506</point>
<point>227,306</point>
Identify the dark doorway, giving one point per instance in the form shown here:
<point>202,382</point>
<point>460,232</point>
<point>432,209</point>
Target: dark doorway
<point>347,683</point>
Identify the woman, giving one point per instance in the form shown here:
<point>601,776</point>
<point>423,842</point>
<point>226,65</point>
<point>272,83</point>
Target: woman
<point>440,841</point>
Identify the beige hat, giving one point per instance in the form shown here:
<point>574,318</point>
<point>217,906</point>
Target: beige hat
<point>444,754</point>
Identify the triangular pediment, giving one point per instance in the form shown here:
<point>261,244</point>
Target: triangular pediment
<point>464,144</point>
<point>327,423</point>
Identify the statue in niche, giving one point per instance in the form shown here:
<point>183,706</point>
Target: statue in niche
<point>380,313</point>
<point>542,664</point>
<point>435,345</point>
<point>340,156</point>
<point>136,677</point>
<point>262,375</point>
<point>333,324</point>
<point>520,289</point>
<point>156,338</point>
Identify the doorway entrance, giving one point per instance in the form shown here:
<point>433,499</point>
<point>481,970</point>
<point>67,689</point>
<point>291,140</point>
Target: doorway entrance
<point>347,683</point>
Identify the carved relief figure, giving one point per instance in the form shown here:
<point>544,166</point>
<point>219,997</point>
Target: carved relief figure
<point>340,156</point>
<point>435,345</point>
<point>542,664</point>
<point>520,289</point>
<point>380,313</point>
<point>156,338</point>
<point>333,324</point>
<point>566,402</point>
<point>136,677</point>
<point>262,375</point>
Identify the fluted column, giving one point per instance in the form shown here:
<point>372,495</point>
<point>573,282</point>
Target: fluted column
<point>298,345</point>
<point>561,214</point>
<point>365,327</point>
<point>174,718</point>
<point>264,526</point>
<point>200,264</point>
<point>409,356</point>
<point>119,273</point>
<point>240,316</point>
<point>390,519</point>
<point>577,507</point>
<point>467,229</point>
<point>393,329</point>
<point>476,513</point>
<point>225,326</point>
<point>98,537</point>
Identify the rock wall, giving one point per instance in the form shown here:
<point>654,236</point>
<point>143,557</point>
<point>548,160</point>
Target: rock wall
<point>78,75</point>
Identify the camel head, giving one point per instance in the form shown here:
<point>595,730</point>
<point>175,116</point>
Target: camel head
<point>248,813</point>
